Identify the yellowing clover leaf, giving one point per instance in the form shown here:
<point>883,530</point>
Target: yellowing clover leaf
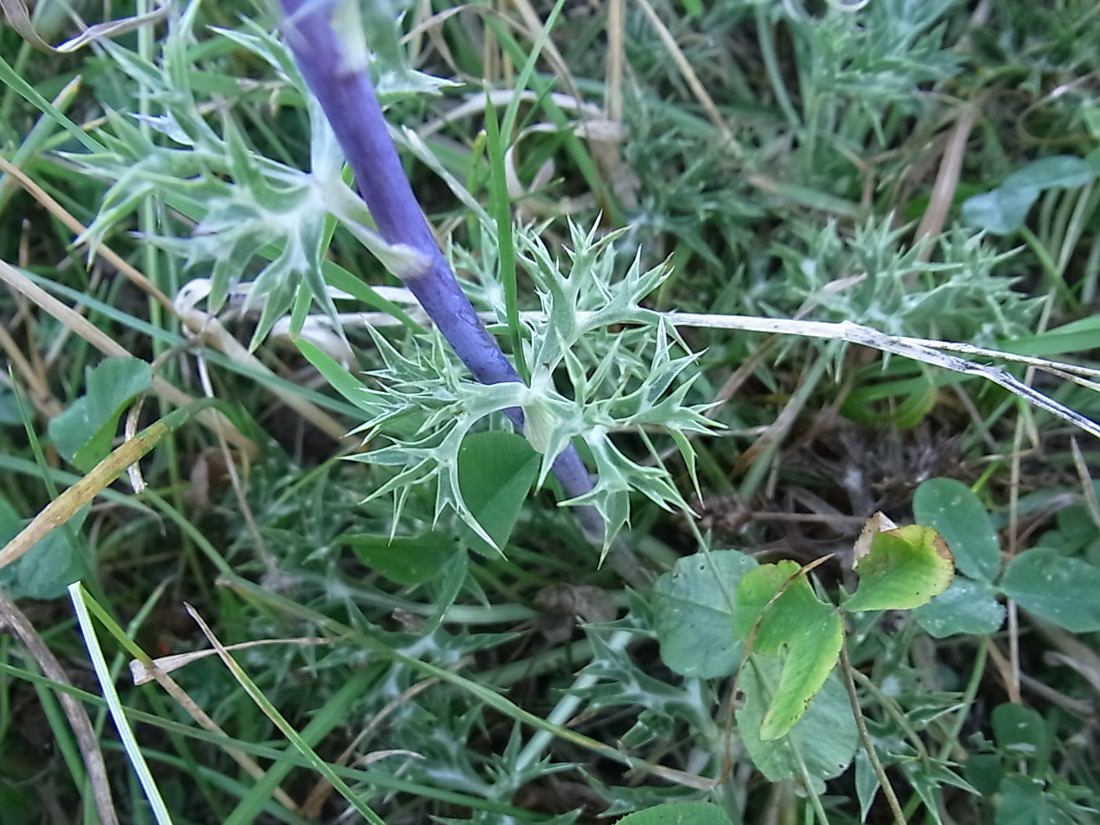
<point>903,568</point>
<point>777,614</point>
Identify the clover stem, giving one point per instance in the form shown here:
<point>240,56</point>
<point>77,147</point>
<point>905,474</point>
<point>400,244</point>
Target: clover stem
<point>865,738</point>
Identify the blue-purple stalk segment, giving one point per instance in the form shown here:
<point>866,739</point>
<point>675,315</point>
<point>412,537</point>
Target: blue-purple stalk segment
<point>347,97</point>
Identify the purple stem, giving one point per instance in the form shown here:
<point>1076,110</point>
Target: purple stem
<point>347,97</point>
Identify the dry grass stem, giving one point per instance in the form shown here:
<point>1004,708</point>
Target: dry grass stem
<point>76,322</point>
<point>86,739</point>
<point>688,73</point>
<point>947,179</point>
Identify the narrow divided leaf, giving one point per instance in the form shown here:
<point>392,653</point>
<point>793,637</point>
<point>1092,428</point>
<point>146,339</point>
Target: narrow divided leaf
<point>867,784</point>
<point>679,813</point>
<point>133,750</point>
<point>339,378</point>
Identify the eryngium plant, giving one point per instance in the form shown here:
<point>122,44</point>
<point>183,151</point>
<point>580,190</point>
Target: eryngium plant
<point>600,363</point>
<point>335,67</point>
<point>244,204</point>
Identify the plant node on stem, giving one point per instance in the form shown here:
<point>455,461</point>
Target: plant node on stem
<point>342,85</point>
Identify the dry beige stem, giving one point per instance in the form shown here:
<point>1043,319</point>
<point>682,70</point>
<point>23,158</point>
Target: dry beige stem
<point>1084,474</point>
<point>108,346</point>
<point>311,808</point>
<point>947,179</point>
<point>66,505</point>
<point>20,19</point>
<point>535,28</point>
<point>616,58</point>
<point>878,523</point>
<point>142,673</point>
<point>690,77</point>
<point>1009,676</point>
<point>1071,652</point>
<point>475,104</point>
<point>212,331</point>
<point>156,670</point>
<point>79,229</point>
<point>86,740</point>
<point>40,394</point>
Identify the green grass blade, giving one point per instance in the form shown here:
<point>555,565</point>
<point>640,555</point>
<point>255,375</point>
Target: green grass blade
<point>501,207</point>
<point>271,712</point>
<point>114,704</point>
<point>11,78</point>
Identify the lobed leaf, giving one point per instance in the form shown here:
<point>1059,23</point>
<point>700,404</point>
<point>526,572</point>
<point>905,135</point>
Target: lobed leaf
<point>408,560</point>
<point>495,473</point>
<point>83,433</point>
<point>1054,172</point>
<point>777,612</point>
<point>967,607</point>
<point>693,613</point>
<point>1060,590</point>
<point>1021,733</point>
<point>1001,211</point>
<point>1004,209</point>
<point>48,568</point>
<point>824,739</point>
<point>1022,800</point>
<point>960,518</point>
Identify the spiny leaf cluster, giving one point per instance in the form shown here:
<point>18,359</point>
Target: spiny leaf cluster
<point>871,276</point>
<point>246,207</point>
<point>601,365</point>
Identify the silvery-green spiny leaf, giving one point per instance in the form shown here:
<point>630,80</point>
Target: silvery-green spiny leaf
<point>618,380</point>
<point>593,382</point>
<point>621,683</point>
<point>875,54</point>
<point>890,287</point>
<point>394,77</point>
<point>266,46</point>
<point>435,455</point>
<point>427,410</point>
<point>602,363</point>
<point>587,297</point>
<point>395,80</point>
<point>244,204</point>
